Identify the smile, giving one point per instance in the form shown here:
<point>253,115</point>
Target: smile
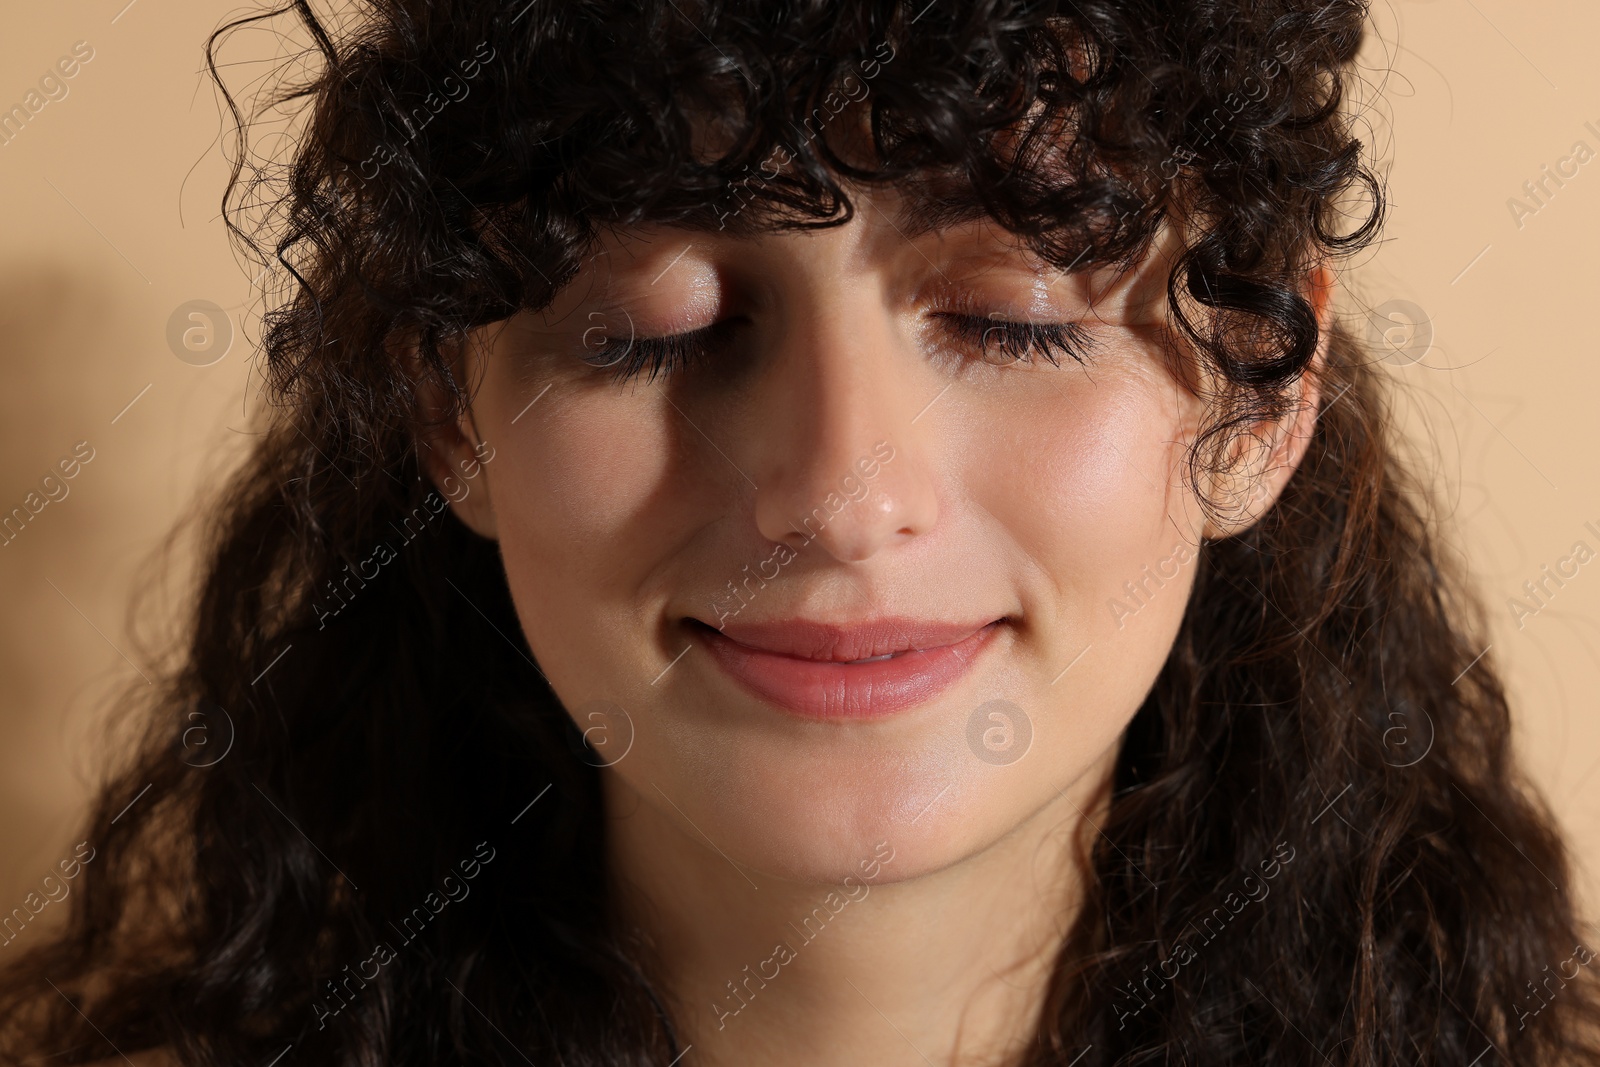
<point>860,671</point>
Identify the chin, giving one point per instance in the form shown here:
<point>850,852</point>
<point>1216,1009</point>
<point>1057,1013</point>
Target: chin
<point>813,808</point>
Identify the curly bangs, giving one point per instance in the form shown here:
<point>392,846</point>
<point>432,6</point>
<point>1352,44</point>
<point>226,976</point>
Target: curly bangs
<point>1078,127</point>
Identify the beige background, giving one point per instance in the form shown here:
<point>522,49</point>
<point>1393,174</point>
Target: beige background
<point>111,200</point>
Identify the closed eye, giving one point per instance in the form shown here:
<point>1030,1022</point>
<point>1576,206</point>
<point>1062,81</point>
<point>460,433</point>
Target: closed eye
<point>665,355</point>
<point>1000,342</point>
<point>1003,342</point>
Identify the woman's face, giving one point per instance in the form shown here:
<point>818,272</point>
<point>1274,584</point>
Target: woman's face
<point>847,469</point>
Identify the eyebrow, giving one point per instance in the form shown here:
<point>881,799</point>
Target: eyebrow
<point>925,213</point>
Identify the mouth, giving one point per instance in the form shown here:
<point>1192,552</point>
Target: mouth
<point>864,670</point>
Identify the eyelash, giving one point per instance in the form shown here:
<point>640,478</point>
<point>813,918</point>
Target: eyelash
<point>1020,342</point>
<point>659,355</point>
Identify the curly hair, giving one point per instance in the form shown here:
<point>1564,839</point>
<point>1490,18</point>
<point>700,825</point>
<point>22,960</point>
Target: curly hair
<point>454,165</point>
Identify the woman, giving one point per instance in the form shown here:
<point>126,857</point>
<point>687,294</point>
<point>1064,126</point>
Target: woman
<point>820,533</point>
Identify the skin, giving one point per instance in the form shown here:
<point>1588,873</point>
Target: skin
<point>1026,491</point>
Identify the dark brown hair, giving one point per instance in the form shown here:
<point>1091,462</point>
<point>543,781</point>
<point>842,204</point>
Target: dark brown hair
<point>1317,848</point>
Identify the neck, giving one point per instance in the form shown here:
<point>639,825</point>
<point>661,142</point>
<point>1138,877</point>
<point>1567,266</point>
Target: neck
<point>950,967</point>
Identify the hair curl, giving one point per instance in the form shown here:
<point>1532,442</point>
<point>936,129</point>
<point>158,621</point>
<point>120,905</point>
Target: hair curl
<point>455,163</point>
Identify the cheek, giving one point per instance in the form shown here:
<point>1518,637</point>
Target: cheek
<point>585,473</point>
<point>1093,488</point>
<point>588,501</point>
<point>1093,496</point>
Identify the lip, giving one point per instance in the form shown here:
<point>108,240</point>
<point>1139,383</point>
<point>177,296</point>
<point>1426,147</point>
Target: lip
<point>806,667</point>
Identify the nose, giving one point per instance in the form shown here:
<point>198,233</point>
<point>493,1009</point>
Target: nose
<point>844,465</point>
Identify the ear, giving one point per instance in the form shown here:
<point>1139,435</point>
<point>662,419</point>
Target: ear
<point>1269,452</point>
<point>455,458</point>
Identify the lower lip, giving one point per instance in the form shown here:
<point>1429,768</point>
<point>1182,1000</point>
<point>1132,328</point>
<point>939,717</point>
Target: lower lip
<point>820,689</point>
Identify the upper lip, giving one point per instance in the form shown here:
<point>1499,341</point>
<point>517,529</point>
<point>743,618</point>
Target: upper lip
<point>846,642</point>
